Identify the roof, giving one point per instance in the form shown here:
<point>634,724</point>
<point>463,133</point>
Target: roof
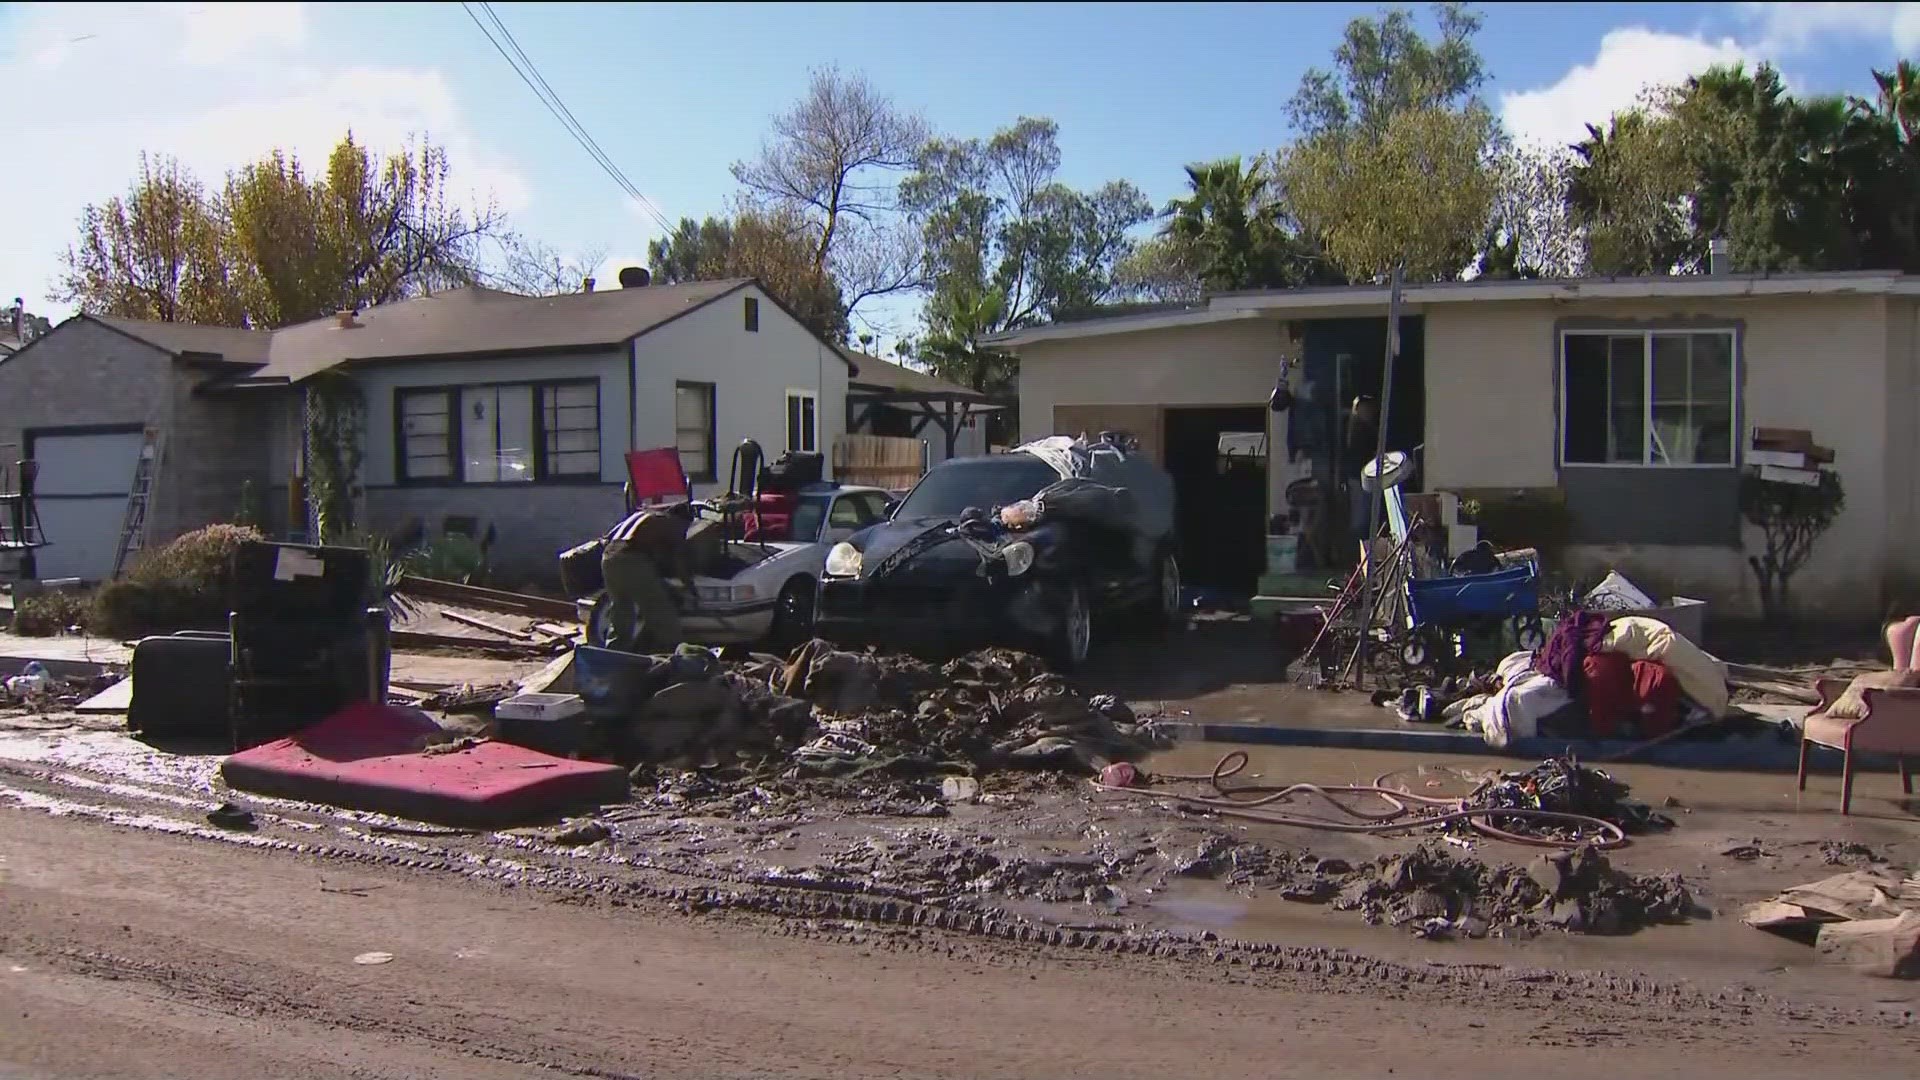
<point>875,373</point>
<point>476,320</point>
<point>231,344</point>
<point>1226,307</point>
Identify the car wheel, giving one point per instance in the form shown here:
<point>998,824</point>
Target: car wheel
<point>1074,637</point>
<point>793,614</point>
<point>1167,608</point>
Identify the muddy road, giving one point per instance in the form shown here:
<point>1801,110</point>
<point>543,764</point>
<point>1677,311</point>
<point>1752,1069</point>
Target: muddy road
<point>130,953</point>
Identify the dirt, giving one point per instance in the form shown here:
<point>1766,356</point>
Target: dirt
<point>182,958</point>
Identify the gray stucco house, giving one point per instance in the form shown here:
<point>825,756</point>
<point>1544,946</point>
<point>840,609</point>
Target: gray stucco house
<point>513,412</point>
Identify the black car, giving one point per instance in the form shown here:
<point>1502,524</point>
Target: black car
<point>1025,549</point>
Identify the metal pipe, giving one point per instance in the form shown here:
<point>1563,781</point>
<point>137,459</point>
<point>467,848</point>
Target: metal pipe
<point>1374,500</point>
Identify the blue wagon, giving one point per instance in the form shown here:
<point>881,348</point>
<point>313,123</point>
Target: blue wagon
<point>1441,608</point>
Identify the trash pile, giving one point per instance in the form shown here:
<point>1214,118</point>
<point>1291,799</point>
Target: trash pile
<point>828,713</point>
<point>37,690</point>
<point>1600,675</point>
<point>1564,786</point>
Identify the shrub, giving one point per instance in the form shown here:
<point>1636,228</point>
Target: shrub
<point>450,558</point>
<point>182,585</point>
<point>49,613</point>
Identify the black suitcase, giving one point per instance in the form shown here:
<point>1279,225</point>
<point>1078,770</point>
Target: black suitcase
<point>182,686</point>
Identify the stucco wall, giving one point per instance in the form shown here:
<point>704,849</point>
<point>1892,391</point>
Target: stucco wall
<point>751,372</point>
<point>1224,364</point>
<point>1818,363</point>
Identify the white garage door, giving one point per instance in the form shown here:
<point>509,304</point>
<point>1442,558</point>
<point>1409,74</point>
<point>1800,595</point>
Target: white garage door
<point>82,496</point>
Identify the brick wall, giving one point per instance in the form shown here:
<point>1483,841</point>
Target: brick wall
<point>535,522</point>
<point>217,442</point>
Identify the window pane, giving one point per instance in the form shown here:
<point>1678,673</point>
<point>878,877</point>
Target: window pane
<point>691,406</point>
<point>1713,369</point>
<point>1670,378</point>
<point>480,435</point>
<point>1673,436</point>
<point>585,463</point>
<point>515,426</point>
<point>1627,435</point>
<point>1584,382</point>
<point>570,397</point>
<point>793,422</point>
<point>1626,390</point>
<point>809,437</point>
<point>1713,428</point>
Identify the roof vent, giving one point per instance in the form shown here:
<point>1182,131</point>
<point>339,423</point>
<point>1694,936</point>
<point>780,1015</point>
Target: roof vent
<point>345,317</point>
<point>634,277</point>
<point>1719,256</point>
<point>587,285</point>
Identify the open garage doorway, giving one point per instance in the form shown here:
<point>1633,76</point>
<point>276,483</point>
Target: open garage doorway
<point>1220,507</point>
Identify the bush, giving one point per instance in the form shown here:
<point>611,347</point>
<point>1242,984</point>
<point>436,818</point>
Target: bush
<point>450,558</point>
<point>182,585</point>
<point>49,613</point>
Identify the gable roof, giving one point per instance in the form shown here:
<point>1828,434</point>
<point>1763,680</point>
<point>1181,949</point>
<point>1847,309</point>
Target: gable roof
<point>875,373</point>
<point>481,321</point>
<point>232,344</point>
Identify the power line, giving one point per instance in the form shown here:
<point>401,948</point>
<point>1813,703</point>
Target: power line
<point>572,122</point>
<point>530,74</point>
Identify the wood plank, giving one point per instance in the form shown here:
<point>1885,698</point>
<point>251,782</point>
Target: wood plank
<point>115,699</point>
<point>1785,459</point>
<point>1803,477</point>
<point>453,592</point>
<point>1770,438</point>
<point>484,624</point>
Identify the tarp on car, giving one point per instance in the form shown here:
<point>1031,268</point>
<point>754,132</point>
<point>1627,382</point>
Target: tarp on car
<point>1145,490</point>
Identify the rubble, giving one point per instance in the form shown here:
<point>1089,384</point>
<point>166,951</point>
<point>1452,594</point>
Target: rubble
<point>831,714</point>
<point>1868,920</point>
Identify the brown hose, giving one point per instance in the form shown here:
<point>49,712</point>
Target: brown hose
<point>1425,811</point>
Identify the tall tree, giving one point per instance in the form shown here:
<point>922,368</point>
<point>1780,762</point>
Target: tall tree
<point>1236,230</point>
<point>370,231</point>
<point>769,245</point>
<point>1391,166</point>
<point>154,253</point>
<point>1628,189</point>
<point>834,162</point>
<point>1008,245</point>
<point>1160,270</point>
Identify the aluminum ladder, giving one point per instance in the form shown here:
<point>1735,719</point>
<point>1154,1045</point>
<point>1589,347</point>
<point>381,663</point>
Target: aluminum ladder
<point>133,529</point>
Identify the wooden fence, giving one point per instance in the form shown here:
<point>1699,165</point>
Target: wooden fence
<point>879,460</point>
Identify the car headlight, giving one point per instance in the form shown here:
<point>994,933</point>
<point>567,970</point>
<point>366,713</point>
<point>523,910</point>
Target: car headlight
<point>843,561</point>
<point>1019,556</point>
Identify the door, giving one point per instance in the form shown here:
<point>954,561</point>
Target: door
<point>82,496</point>
<point>1220,507</point>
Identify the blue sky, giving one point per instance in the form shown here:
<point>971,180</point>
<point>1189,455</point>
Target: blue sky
<point>677,92</point>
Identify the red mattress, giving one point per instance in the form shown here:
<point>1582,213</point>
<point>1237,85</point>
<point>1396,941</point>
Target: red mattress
<point>367,757</point>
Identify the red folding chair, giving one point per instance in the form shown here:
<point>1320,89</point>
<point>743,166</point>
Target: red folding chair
<point>655,476</point>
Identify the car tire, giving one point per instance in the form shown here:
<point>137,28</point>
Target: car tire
<point>1166,609</point>
<point>1073,638</point>
<point>793,613</point>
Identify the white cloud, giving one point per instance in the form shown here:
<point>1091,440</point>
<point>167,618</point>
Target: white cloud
<point>216,33</point>
<point>216,87</point>
<point>1790,28</point>
<point>1629,62</point>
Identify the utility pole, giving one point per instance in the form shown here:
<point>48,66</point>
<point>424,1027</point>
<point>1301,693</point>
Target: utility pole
<point>1376,499</point>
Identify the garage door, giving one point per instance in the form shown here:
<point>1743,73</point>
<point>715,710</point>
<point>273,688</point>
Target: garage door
<point>82,496</point>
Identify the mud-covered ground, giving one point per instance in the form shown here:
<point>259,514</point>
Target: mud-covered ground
<point>1039,869</point>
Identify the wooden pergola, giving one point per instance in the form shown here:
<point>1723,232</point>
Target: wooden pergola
<point>934,401</point>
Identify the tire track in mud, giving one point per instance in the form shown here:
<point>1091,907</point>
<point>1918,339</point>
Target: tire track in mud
<point>863,914</point>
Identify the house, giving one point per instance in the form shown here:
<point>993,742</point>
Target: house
<point>884,398</point>
<point>1632,398</point>
<point>507,411</point>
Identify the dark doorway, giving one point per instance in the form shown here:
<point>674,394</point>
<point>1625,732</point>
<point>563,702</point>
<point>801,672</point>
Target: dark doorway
<point>1220,511</point>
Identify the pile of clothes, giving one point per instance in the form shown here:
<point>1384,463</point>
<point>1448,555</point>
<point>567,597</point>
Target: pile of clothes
<point>1598,677</point>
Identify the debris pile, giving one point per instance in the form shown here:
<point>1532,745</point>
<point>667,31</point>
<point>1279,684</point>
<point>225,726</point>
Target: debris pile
<point>1439,895</point>
<point>1564,786</point>
<point>1867,920</point>
<point>37,690</point>
<point>826,713</point>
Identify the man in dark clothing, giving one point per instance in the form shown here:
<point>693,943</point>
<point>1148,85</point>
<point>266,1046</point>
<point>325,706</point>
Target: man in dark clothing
<point>643,550</point>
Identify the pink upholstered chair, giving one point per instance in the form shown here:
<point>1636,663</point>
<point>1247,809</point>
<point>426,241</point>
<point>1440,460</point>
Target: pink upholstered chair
<point>1891,726</point>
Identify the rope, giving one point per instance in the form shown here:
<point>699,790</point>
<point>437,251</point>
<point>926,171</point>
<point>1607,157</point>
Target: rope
<point>1404,809</point>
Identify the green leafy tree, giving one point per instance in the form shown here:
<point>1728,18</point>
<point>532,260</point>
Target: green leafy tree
<point>1234,229</point>
<point>370,231</point>
<point>1391,166</point>
<point>769,245</point>
<point>1160,270</point>
<point>156,252</point>
<point>1007,245</point>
